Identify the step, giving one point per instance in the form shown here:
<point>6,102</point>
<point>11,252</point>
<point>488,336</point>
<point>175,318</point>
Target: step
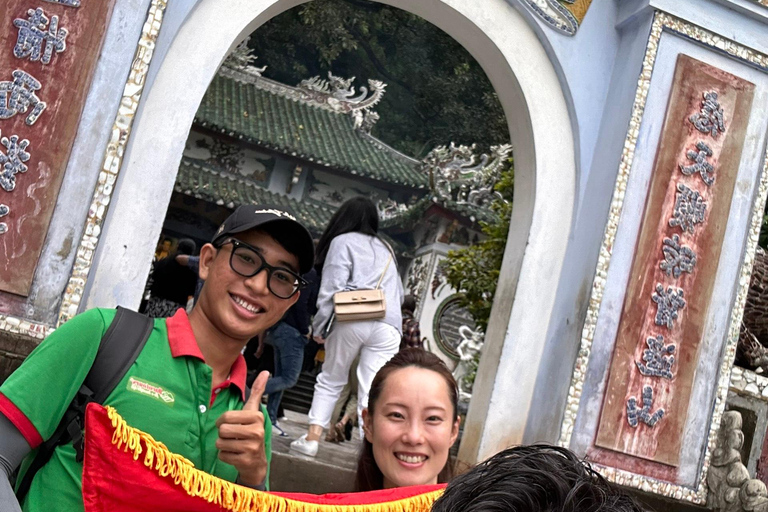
<point>333,470</point>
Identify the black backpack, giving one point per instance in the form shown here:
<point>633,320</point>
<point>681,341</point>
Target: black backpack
<point>118,349</point>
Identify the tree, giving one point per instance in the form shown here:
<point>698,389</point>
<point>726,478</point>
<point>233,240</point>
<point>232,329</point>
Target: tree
<point>474,270</point>
<point>436,92</point>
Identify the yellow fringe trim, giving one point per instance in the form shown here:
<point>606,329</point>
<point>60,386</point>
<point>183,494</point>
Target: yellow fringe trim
<point>230,496</point>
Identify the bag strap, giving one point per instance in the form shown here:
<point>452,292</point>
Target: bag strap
<point>385,271</point>
<point>120,346</point>
<point>118,349</point>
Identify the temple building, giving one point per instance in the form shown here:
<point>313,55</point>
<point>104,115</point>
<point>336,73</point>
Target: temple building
<point>309,148</point>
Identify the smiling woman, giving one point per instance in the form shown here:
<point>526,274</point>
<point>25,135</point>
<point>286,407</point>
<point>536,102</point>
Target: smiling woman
<point>410,424</point>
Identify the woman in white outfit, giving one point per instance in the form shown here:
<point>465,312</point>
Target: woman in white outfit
<point>352,257</point>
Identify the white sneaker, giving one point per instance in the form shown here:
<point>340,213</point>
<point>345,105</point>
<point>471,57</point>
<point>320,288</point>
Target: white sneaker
<point>308,448</point>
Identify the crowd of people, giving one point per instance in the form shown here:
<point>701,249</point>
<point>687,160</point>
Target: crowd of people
<point>261,280</point>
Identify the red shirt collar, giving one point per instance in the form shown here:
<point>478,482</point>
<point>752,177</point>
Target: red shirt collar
<point>183,343</point>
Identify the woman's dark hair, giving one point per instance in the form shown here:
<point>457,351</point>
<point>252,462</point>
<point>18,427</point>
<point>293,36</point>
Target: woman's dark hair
<point>369,476</point>
<point>356,215</point>
<point>534,478</point>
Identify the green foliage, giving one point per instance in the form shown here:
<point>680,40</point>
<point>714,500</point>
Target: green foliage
<point>436,92</point>
<point>474,270</point>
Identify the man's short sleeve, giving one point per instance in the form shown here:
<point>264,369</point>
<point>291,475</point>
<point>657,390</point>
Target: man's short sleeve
<point>38,393</point>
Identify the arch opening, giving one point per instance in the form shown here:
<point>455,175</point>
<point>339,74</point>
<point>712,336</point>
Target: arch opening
<point>540,131</point>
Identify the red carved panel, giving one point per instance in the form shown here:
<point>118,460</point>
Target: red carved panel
<point>654,450</point>
<point>64,84</point>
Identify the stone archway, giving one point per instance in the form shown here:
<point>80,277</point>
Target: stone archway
<point>533,98</point>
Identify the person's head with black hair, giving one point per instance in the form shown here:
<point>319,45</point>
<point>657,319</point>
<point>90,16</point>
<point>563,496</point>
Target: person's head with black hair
<point>252,271</point>
<point>356,215</point>
<point>409,304</point>
<point>408,433</point>
<point>186,246</point>
<point>534,478</point>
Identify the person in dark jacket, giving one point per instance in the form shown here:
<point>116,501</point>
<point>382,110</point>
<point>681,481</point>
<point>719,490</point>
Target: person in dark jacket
<point>172,282</point>
<point>288,338</point>
<point>411,332</point>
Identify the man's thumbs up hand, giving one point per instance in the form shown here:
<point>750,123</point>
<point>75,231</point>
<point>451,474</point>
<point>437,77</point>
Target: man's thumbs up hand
<point>257,392</point>
<point>241,437</point>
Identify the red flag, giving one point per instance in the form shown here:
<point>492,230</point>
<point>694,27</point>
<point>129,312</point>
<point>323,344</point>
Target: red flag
<point>126,470</point>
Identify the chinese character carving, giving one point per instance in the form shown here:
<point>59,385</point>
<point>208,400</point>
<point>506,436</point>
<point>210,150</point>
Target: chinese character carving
<point>634,413</point>
<point>658,358</point>
<point>689,209</point>
<point>700,164</point>
<point>4,210</point>
<point>667,305</point>
<point>12,161</point>
<point>16,97</point>
<point>68,3</point>
<point>710,118</point>
<point>677,258</point>
<point>35,32</point>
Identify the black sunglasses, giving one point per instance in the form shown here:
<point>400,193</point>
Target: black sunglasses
<point>247,261</point>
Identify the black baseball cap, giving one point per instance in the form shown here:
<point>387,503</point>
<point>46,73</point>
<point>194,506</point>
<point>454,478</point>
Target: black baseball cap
<point>290,230</point>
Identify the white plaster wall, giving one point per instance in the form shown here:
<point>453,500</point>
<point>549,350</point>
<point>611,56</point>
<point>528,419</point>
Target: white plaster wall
<point>584,63</point>
<point>574,290</point>
<point>541,131</point>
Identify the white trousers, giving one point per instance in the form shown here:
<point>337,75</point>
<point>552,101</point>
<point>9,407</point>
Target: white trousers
<point>375,341</point>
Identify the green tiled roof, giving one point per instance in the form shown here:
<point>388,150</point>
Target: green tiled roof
<point>296,128</point>
<point>201,180</point>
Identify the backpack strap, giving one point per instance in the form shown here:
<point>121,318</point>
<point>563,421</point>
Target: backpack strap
<point>120,346</point>
<point>118,349</point>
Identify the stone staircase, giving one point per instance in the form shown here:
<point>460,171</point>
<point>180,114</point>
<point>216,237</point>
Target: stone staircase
<point>333,470</point>
<point>299,397</point>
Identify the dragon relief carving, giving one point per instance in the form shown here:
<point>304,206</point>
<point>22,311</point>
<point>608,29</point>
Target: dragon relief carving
<point>339,94</point>
<point>333,93</point>
<point>389,208</point>
<point>242,59</point>
<point>456,173</point>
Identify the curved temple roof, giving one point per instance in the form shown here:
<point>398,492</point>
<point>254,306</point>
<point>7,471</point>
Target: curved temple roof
<point>260,111</point>
<point>203,181</point>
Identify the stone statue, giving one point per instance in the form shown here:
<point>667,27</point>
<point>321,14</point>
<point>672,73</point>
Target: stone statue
<point>469,353</point>
<point>730,488</point>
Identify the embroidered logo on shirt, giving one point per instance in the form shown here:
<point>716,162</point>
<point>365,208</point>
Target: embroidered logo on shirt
<point>149,389</point>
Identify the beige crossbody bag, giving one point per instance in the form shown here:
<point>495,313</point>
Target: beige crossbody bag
<point>361,304</point>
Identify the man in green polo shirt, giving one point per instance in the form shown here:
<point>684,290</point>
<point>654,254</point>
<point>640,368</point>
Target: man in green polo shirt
<point>187,386</point>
